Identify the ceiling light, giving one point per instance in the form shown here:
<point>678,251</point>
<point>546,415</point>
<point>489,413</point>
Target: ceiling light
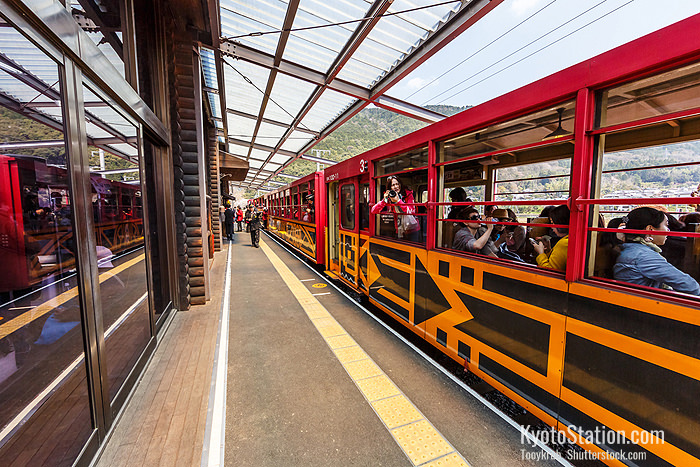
<point>559,132</point>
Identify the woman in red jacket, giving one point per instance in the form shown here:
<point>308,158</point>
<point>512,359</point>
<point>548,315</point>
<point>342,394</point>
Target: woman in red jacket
<point>395,200</point>
<point>239,218</point>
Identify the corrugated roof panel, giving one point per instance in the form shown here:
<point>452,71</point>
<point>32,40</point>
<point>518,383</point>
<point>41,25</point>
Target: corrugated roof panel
<point>269,135</point>
<point>320,32</point>
<point>20,91</point>
<point>255,164</point>
<point>240,128</point>
<point>280,159</point>
<point>296,141</point>
<point>329,105</point>
<point>237,150</point>
<point>392,38</point>
<point>317,48</point>
<point>112,119</point>
<point>241,94</point>
<point>243,17</point>
<point>259,154</point>
<point>25,54</point>
<point>287,98</point>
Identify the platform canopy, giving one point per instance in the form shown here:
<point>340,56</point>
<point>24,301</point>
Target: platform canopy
<point>288,73</point>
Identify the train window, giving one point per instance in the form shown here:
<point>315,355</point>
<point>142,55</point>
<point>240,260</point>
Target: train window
<point>398,214</point>
<point>364,206</point>
<point>295,203</point>
<point>539,175</point>
<point>655,182</point>
<point>302,199</point>
<point>531,129</point>
<point>410,160</point>
<point>648,173</point>
<point>347,207</point>
<point>674,91</point>
<point>309,212</point>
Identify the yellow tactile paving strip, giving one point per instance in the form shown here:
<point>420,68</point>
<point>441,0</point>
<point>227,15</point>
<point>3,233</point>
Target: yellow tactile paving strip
<point>418,438</point>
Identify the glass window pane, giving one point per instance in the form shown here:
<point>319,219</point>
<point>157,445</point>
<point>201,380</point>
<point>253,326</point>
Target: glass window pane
<point>548,124</point>
<point>666,93</point>
<point>118,222</point>
<point>409,160</point>
<point>397,214</point>
<point>347,209</point>
<point>364,206</point>
<point>42,362</point>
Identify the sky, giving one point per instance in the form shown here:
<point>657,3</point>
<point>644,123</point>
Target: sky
<point>501,52</point>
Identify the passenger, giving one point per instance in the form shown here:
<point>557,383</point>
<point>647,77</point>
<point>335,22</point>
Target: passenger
<point>228,222</point>
<point>457,195</point>
<point>513,245</point>
<point>254,225</point>
<point>405,224</point>
<point>489,209</point>
<point>498,234</point>
<point>555,257</point>
<point>472,236</point>
<point>691,221</point>
<point>552,237</point>
<point>674,248</point>
<point>608,249</point>
<point>247,217</point>
<point>640,261</point>
<point>239,218</point>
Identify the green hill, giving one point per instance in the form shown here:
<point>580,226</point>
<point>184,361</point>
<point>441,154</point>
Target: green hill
<point>366,130</point>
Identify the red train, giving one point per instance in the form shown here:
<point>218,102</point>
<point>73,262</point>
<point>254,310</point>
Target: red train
<point>612,364</point>
<point>36,232</point>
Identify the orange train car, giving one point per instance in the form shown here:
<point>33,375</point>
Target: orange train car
<point>609,362</point>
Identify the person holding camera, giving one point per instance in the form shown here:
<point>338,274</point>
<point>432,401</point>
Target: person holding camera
<point>554,257</point>
<point>472,236</point>
<point>395,200</point>
<point>254,225</point>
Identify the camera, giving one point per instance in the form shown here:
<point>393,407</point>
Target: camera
<point>392,194</point>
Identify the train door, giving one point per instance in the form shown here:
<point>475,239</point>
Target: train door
<point>348,236</point>
<point>333,227</point>
<point>363,241</point>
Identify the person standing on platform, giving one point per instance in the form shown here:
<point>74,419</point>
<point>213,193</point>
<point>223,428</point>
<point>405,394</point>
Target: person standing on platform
<point>254,225</point>
<point>239,218</point>
<point>246,218</point>
<point>222,209</point>
<point>228,222</point>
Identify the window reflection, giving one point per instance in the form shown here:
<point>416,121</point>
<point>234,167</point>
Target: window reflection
<point>42,370</point>
<point>119,235</point>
